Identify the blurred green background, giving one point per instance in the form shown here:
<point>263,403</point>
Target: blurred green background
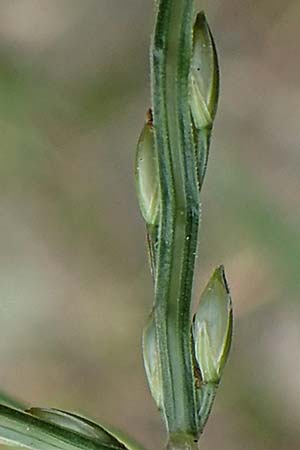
<point>75,287</point>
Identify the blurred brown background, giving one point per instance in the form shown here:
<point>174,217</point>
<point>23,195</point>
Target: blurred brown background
<point>75,287</point>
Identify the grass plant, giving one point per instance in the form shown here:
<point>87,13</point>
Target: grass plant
<point>184,357</point>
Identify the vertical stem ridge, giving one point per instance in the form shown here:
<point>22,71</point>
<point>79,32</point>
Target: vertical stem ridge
<point>179,218</point>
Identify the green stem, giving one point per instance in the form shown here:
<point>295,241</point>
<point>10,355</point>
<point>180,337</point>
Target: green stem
<point>202,141</point>
<point>208,394</point>
<point>179,442</point>
<point>179,214</point>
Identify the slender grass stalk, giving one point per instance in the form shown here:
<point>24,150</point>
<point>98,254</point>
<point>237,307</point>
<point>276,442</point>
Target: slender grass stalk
<point>179,215</point>
<point>183,370</point>
<point>184,359</point>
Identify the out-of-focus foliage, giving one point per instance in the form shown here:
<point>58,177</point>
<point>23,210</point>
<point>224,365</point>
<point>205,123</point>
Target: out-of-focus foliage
<point>74,284</point>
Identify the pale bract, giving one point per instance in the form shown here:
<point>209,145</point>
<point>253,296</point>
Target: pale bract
<point>204,75</point>
<point>146,174</point>
<point>151,362</point>
<point>212,328</point>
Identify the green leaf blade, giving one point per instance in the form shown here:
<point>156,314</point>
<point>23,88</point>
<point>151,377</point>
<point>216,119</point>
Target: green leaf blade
<point>24,430</point>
